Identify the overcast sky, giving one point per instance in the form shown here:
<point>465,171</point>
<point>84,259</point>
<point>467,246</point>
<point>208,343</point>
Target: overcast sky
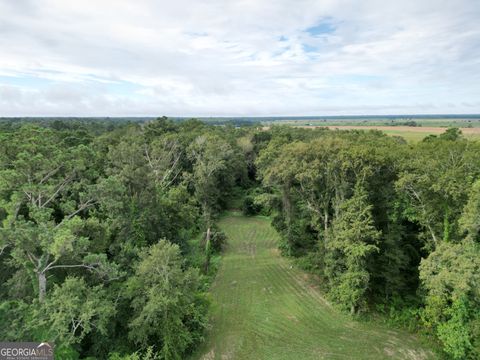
<point>238,58</point>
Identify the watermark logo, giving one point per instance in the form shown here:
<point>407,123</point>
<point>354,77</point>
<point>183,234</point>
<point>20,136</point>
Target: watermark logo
<point>26,351</point>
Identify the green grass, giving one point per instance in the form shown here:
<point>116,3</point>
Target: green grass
<point>263,308</point>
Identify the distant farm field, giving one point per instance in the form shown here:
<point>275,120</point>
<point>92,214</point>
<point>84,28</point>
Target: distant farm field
<point>412,133</point>
<point>264,308</point>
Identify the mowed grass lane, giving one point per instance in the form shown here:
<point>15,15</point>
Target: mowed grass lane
<point>263,308</point>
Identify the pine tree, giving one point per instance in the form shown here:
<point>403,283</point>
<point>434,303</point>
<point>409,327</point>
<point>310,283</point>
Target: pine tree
<point>352,240</point>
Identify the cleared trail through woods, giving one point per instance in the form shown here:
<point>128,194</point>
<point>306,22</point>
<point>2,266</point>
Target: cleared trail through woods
<point>263,308</point>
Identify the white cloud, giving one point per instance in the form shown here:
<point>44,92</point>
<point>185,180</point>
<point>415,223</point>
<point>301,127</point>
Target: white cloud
<point>250,57</point>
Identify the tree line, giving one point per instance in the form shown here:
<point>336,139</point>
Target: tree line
<point>102,244</point>
<point>108,240</point>
<point>388,226</point>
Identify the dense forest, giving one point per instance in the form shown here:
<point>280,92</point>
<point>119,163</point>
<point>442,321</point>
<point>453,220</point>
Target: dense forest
<point>108,241</point>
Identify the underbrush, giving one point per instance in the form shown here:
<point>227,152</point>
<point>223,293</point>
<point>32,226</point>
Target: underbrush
<point>197,257</point>
<point>258,201</point>
<point>400,313</point>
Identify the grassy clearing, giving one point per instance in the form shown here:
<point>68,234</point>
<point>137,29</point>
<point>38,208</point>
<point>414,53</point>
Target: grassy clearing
<point>263,308</point>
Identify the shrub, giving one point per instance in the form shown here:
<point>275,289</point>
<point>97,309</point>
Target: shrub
<point>249,206</point>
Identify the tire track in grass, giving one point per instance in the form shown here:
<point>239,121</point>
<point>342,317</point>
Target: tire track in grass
<point>265,309</point>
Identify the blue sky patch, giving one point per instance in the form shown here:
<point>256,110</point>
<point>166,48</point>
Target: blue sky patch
<point>321,28</point>
<point>309,48</point>
<point>24,81</point>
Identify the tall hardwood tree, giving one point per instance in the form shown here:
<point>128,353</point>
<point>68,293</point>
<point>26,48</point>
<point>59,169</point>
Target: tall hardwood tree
<point>212,157</point>
<point>47,186</point>
<point>163,297</point>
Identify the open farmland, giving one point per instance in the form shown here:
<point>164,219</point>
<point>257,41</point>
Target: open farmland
<point>411,133</point>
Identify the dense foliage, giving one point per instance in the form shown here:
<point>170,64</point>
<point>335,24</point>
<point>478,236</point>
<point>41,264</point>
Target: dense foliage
<point>386,224</point>
<point>102,241</point>
<point>108,230</point>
